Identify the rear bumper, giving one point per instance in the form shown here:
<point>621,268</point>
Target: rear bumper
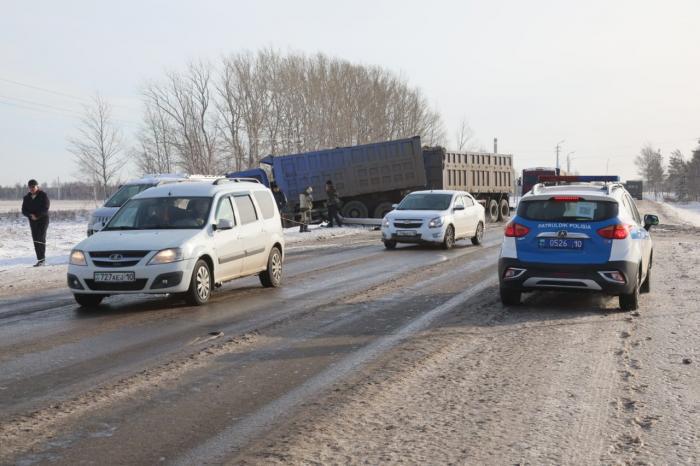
<point>577,277</point>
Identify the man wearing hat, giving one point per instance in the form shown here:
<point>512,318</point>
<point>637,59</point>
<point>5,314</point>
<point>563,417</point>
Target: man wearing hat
<point>333,203</point>
<point>35,206</point>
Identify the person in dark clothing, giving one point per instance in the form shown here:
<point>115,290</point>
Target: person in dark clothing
<point>333,203</point>
<point>35,206</point>
<point>280,199</point>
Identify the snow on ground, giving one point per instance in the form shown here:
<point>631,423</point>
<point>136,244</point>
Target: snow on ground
<point>689,212</point>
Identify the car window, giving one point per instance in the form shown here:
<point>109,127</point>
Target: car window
<point>265,202</point>
<point>564,210</point>
<point>125,193</point>
<point>246,210</point>
<point>224,210</point>
<point>468,201</point>
<point>633,209</point>
<point>459,201</point>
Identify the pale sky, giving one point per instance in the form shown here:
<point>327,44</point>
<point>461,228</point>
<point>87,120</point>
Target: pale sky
<point>605,76</point>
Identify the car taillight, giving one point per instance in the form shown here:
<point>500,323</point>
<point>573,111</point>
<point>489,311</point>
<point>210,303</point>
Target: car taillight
<point>618,231</point>
<point>516,230</point>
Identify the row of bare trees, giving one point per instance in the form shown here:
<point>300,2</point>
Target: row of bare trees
<point>213,118</point>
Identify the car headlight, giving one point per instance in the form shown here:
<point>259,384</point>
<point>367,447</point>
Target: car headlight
<point>77,257</point>
<point>435,222</point>
<point>166,256</point>
<point>385,223</point>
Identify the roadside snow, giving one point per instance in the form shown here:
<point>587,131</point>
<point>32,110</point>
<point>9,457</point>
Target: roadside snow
<point>689,212</point>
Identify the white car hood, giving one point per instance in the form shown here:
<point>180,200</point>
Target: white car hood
<point>136,240</point>
<point>415,214</point>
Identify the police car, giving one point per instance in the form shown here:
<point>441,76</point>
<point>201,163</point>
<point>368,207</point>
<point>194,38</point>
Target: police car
<point>585,235</point>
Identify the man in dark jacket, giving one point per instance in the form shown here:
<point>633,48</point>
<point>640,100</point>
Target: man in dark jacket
<point>35,206</point>
<point>280,199</point>
<point>333,203</point>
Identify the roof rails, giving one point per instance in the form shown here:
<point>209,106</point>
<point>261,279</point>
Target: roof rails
<point>611,182</point>
<point>235,180</point>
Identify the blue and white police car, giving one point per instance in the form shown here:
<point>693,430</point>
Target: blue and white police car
<point>584,235</point>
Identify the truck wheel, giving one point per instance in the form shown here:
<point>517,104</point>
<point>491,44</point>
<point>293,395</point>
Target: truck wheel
<point>449,240</point>
<point>510,297</point>
<point>88,300</point>
<point>479,235</point>
<point>630,302</point>
<point>272,276</point>
<point>355,209</point>
<point>503,210</point>
<point>200,284</point>
<point>492,211</point>
<point>382,209</point>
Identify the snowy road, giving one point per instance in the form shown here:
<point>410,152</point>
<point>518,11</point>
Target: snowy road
<point>364,355</point>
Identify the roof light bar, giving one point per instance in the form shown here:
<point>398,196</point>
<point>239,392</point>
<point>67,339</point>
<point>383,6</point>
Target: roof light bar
<point>555,178</point>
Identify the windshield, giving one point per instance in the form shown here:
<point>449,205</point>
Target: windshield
<point>125,193</point>
<point>158,213</point>
<point>579,211</point>
<point>426,201</point>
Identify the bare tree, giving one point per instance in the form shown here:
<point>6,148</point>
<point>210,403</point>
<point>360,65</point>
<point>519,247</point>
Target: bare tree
<point>98,147</point>
<point>464,136</point>
<point>650,165</point>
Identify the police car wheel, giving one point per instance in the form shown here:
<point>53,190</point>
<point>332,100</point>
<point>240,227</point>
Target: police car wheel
<point>510,297</point>
<point>390,244</point>
<point>449,240</point>
<point>630,301</point>
<point>646,285</point>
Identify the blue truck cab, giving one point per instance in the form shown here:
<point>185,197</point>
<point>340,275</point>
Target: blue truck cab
<point>587,236</point>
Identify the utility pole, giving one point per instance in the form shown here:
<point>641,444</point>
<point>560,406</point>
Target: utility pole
<point>558,147</point>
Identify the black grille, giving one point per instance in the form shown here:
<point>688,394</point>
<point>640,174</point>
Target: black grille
<point>115,264</point>
<point>407,224</point>
<point>116,286</point>
<point>125,254</point>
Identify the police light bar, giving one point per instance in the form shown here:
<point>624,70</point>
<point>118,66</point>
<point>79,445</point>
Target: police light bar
<point>555,178</point>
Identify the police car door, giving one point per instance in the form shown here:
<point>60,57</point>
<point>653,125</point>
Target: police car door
<point>229,251</point>
<point>639,233</point>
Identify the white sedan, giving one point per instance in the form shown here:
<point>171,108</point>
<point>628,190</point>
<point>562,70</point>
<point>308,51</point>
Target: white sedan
<point>436,216</point>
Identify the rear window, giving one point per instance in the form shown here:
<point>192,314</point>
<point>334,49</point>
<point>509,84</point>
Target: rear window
<point>579,211</point>
<point>267,205</point>
<point>245,209</point>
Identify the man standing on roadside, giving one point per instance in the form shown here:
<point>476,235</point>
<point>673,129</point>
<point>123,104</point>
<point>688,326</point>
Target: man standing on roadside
<point>280,200</point>
<point>35,206</point>
<point>332,203</point>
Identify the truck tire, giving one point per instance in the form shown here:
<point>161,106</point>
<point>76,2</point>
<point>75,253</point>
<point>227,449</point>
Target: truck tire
<point>492,210</point>
<point>382,209</point>
<point>355,209</point>
<point>503,210</point>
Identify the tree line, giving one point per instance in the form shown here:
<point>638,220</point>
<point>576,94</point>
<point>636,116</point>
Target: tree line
<point>680,176</point>
<point>57,190</point>
<point>211,118</point>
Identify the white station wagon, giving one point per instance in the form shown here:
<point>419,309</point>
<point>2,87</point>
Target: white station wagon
<point>184,238</point>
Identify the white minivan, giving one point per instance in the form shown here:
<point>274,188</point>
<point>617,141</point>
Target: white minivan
<point>183,238</point>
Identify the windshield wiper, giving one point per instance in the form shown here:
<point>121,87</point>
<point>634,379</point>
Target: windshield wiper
<point>120,228</point>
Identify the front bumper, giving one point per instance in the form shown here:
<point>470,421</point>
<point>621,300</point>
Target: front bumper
<point>150,279</point>
<point>576,277</point>
<point>422,234</point>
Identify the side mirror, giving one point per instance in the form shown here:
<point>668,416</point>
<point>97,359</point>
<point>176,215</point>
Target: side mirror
<point>224,224</point>
<point>650,220</point>
<point>459,207</point>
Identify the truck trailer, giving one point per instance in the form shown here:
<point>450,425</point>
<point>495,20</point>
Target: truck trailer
<point>370,178</point>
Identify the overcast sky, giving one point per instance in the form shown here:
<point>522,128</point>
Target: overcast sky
<point>605,76</point>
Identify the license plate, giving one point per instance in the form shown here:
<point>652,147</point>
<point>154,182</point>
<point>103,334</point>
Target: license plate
<point>406,233</point>
<point>115,276</point>
<point>554,243</point>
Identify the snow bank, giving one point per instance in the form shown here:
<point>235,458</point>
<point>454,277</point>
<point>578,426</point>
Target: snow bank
<point>687,211</point>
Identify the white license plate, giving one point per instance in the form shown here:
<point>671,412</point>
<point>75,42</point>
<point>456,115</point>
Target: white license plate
<point>115,276</point>
<point>406,233</point>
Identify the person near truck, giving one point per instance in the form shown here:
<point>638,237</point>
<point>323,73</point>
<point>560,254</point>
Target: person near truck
<point>333,203</point>
<point>35,206</point>
<point>280,199</point>
<point>306,203</point>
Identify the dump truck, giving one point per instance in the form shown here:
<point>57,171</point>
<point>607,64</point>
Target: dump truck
<point>635,188</point>
<point>370,178</point>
